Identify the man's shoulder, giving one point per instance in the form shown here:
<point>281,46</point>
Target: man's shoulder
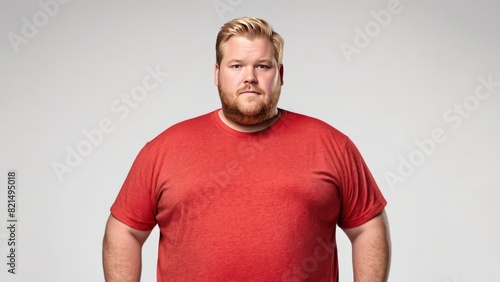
<point>189,128</point>
<point>197,122</point>
<point>306,123</point>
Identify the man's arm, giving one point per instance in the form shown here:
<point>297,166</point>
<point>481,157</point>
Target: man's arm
<point>371,249</point>
<point>121,251</point>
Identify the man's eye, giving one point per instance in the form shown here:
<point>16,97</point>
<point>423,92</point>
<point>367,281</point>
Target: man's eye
<point>263,67</point>
<point>236,66</point>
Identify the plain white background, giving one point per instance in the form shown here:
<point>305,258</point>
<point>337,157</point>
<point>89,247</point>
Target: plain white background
<point>64,65</point>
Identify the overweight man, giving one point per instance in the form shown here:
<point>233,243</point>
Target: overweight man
<point>250,191</point>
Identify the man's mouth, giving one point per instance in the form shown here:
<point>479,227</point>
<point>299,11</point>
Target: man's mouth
<point>250,92</point>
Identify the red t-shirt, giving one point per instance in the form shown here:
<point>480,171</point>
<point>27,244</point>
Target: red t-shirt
<point>235,206</point>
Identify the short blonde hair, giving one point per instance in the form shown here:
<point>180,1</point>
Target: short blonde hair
<point>250,28</point>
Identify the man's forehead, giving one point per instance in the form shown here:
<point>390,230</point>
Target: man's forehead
<point>241,45</point>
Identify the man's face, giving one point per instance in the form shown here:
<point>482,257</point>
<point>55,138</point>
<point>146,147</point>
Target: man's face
<point>249,80</point>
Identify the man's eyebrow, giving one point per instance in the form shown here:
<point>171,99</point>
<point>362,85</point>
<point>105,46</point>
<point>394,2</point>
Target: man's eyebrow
<point>265,61</point>
<point>234,61</point>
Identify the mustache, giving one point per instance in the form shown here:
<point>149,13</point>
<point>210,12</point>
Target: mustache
<point>250,88</point>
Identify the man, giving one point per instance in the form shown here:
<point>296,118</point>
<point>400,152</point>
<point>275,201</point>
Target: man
<point>250,192</point>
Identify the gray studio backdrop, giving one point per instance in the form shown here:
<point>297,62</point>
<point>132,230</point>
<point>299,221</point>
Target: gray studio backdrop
<point>85,84</point>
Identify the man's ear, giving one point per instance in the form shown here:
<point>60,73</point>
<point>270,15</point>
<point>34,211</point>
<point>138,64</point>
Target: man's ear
<point>216,74</point>
<point>282,71</point>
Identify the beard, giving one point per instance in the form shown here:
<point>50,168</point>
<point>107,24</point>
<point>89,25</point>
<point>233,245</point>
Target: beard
<point>255,112</point>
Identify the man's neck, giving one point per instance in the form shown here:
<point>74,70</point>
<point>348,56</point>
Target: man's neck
<point>249,128</point>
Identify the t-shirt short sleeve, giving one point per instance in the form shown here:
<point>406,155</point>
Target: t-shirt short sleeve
<point>361,198</point>
<point>135,204</point>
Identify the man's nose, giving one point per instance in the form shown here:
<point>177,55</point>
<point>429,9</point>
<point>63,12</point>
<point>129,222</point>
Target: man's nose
<point>250,76</point>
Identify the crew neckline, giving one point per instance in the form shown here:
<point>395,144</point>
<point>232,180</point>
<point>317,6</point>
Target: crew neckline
<point>226,128</point>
